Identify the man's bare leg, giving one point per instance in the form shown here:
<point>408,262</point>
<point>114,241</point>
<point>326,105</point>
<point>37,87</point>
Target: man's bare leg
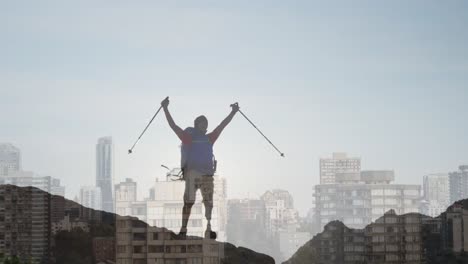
<point>185,217</point>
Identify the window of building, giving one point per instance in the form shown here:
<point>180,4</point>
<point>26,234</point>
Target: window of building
<point>139,236</point>
<point>392,248</point>
<point>138,249</point>
<point>194,248</point>
<point>411,192</point>
<point>377,201</point>
<point>155,249</point>
<point>155,236</point>
<point>176,249</point>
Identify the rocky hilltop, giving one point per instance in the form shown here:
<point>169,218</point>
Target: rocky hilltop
<point>408,238</point>
<point>37,227</point>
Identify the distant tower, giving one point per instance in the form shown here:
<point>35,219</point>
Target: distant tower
<point>104,171</point>
<point>339,163</point>
<point>10,159</point>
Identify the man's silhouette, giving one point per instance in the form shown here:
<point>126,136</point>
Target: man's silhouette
<point>198,163</point>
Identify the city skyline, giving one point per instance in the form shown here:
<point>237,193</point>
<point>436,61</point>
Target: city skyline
<point>339,156</point>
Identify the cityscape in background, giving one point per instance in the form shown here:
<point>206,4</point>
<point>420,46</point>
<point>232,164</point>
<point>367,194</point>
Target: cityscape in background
<point>269,224</point>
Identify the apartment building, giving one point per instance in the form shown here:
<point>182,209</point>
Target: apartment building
<point>359,199</point>
<point>139,243</point>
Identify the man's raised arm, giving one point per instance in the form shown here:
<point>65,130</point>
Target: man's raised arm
<point>179,132</point>
<point>215,134</point>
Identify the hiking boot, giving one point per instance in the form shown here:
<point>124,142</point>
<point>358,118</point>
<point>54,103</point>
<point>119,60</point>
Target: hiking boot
<point>182,233</point>
<point>210,234</point>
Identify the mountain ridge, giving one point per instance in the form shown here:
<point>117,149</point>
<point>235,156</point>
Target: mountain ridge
<point>25,205</point>
<point>390,238</point>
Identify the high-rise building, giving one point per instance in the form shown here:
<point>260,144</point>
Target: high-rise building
<point>104,171</point>
<point>10,159</point>
<point>339,163</point>
<point>458,184</point>
<point>25,215</point>
<point>357,201</point>
<point>91,197</point>
<point>436,194</point>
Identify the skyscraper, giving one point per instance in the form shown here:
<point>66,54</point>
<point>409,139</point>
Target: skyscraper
<point>10,159</point>
<point>339,163</point>
<point>104,171</point>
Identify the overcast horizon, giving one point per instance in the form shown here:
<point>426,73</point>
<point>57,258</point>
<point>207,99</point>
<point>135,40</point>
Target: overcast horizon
<point>384,81</point>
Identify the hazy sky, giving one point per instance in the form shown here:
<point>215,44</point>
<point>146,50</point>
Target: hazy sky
<point>383,80</point>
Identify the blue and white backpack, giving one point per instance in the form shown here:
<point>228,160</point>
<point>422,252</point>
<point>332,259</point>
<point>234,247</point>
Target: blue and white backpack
<point>198,155</point>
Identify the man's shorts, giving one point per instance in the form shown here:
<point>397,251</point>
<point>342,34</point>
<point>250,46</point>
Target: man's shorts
<point>194,180</point>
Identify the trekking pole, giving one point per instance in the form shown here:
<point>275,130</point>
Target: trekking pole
<point>131,150</point>
<point>281,153</point>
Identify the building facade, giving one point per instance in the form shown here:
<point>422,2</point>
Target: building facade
<point>138,243</point>
<point>392,238</point>
<point>104,171</point>
<point>10,159</point>
<point>436,196</point>
<point>454,225</point>
<point>91,197</point>
<point>357,201</point>
<point>25,221</point>
<point>280,210</point>
<point>458,184</point>
<point>338,163</point>
<point>125,197</point>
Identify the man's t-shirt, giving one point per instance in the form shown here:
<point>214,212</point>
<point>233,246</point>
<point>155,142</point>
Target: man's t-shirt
<point>186,138</point>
